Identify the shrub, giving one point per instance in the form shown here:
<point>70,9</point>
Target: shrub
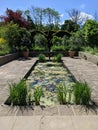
<point>82,93</point>
<point>18,93</point>
<point>4,47</point>
<point>40,40</point>
<point>58,48</point>
<point>37,95</point>
<point>56,40</point>
<point>42,58</point>
<point>61,93</point>
<point>12,34</point>
<point>59,57</point>
<point>38,48</point>
<point>91,50</point>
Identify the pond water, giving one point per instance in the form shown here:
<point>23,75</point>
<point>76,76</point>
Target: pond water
<point>48,75</point>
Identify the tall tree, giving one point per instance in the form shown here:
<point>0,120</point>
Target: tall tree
<point>16,17</point>
<point>37,16</point>
<point>70,26</point>
<point>90,30</point>
<point>76,16</point>
<point>52,16</point>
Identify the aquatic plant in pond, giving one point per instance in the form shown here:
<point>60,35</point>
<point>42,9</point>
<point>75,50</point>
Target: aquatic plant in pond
<point>82,93</point>
<point>18,94</point>
<point>49,75</point>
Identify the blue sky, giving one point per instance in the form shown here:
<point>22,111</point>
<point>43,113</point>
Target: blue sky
<point>87,6</point>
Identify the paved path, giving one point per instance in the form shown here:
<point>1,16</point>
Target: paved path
<point>12,72</point>
<point>84,70</point>
<point>49,123</point>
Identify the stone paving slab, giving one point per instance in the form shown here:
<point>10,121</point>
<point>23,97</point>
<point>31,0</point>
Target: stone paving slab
<point>27,123</point>
<point>13,72</point>
<point>84,70</point>
<point>49,123</point>
<point>60,110</point>
<point>7,123</point>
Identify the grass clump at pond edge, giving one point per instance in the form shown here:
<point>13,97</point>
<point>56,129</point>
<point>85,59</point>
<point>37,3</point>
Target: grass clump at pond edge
<point>18,93</point>
<point>82,93</point>
<point>78,93</point>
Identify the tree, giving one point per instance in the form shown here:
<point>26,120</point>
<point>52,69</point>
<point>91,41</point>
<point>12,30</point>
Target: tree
<point>52,16</point>
<point>90,29</point>
<point>37,16</point>
<point>47,19</point>
<point>16,17</point>
<point>15,36</point>
<point>70,26</point>
<point>77,17</point>
<point>56,40</point>
<point>12,34</point>
<point>40,40</point>
<point>28,17</point>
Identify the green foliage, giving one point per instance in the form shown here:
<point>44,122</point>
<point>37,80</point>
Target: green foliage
<point>61,93</point>
<point>91,50</point>
<point>18,93</point>
<point>42,58</point>
<point>59,57</point>
<point>58,48</point>
<point>82,93</point>
<point>70,26</point>
<point>40,40</point>
<point>4,47</point>
<point>75,42</point>
<point>38,48</point>
<point>17,36</point>
<point>90,29</point>
<point>12,34</point>
<point>25,40</point>
<point>97,63</point>
<point>56,40</point>
<point>3,31</point>
<point>37,95</point>
<point>24,48</point>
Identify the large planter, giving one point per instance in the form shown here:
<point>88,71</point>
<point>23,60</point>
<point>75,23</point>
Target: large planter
<point>25,54</point>
<point>71,54</point>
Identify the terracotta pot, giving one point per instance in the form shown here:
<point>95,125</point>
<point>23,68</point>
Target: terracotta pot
<point>71,54</point>
<point>25,54</point>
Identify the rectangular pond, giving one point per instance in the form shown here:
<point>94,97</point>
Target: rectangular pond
<point>49,75</point>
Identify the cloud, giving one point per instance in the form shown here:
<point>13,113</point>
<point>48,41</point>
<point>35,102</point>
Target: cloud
<point>61,15</point>
<point>85,16</point>
<point>82,6</point>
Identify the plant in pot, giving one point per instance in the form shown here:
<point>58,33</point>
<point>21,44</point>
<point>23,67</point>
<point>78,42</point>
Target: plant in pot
<point>25,43</point>
<point>25,51</point>
<point>72,51</point>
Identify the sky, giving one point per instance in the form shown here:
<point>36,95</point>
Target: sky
<point>88,7</point>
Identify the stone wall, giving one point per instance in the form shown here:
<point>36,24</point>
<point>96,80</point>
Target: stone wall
<point>89,57</point>
<point>8,58</point>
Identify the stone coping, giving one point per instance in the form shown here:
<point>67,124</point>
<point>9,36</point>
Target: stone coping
<point>7,58</point>
<point>88,56</point>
